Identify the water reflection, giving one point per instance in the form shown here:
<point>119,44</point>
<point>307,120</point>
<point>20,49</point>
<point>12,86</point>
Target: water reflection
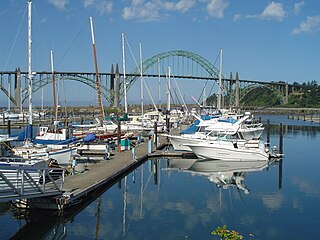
<point>149,194</point>
<point>224,174</point>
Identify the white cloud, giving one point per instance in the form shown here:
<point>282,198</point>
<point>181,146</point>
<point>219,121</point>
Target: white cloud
<point>184,5</point>
<point>59,4</point>
<point>215,8</point>
<point>274,11</point>
<point>298,6</point>
<point>312,24</point>
<point>88,3</point>
<point>141,11</point>
<point>154,10</point>
<point>103,6</point>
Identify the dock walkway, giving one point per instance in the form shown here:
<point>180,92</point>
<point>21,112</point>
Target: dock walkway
<point>107,171</point>
<point>98,174</point>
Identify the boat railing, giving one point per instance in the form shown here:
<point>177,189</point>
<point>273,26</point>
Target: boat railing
<point>19,181</point>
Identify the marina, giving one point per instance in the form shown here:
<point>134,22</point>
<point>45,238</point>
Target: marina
<point>161,147</point>
<point>203,194</point>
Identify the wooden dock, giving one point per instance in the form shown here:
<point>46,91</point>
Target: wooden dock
<point>103,173</point>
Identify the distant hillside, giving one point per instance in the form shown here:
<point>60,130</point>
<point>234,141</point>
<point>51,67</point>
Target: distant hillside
<point>306,95</point>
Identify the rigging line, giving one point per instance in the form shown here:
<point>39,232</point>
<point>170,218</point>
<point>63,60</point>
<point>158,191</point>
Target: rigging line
<point>181,95</point>
<point>208,80</point>
<point>211,90</point>
<point>16,37</point>
<point>177,98</point>
<point>71,44</point>
<point>134,59</point>
<point>154,105</point>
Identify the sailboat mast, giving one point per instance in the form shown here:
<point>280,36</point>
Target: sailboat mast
<point>96,67</point>
<point>9,97</point>
<point>220,82</point>
<point>168,90</point>
<point>29,62</point>
<point>159,84</point>
<point>141,88</point>
<point>124,76</point>
<point>53,86</point>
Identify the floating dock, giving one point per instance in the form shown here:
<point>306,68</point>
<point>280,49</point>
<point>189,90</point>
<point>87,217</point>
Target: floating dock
<point>94,176</point>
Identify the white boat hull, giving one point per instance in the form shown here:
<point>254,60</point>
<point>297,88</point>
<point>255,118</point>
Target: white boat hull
<point>179,143</point>
<point>63,156</point>
<point>225,150</point>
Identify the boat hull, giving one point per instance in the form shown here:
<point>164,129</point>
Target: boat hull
<point>227,151</point>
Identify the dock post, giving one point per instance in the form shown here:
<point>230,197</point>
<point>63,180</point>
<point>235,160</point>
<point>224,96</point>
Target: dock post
<point>281,139</point>
<point>4,118</point>
<point>150,146</point>
<point>133,150</point>
<point>155,134</point>
<point>74,164</point>
<point>268,131</point>
<point>9,127</point>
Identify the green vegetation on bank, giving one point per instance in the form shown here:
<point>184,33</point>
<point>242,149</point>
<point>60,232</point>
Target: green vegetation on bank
<point>306,95</point>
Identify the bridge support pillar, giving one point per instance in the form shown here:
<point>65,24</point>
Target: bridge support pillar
<point>17,89</point>
<point>237,95</point>
<point>287,94</point>
<point>112,93</point>
<point>117,88</point>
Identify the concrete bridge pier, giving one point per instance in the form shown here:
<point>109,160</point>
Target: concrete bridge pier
<point>17,89</point>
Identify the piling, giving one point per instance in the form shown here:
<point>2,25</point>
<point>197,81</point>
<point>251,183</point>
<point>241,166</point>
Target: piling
<point>268,131</point>
<point>149,146</point>
<point>281,138</point>
<point>155,134</point>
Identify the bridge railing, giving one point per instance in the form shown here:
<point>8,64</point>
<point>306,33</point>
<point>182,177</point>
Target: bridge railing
<point>20,180</point>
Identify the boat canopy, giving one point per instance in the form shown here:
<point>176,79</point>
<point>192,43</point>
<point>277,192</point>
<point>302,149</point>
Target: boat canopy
<point>194,126</point>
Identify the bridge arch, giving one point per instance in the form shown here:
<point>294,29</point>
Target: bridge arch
<point>87,79</point>
<point>153,61</point>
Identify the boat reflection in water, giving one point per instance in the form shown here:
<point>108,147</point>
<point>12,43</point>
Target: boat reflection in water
<point>223,174</point>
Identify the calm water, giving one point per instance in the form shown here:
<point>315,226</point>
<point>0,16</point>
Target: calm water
<point>176,199</point>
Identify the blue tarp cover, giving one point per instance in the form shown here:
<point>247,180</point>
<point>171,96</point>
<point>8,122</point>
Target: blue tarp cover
<point>89,137</point>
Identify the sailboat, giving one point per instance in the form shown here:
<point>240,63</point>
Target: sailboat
<point>54,135</point>
<point>30,149</point>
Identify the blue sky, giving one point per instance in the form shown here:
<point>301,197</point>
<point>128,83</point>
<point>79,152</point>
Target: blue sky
<point>262,40</point>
